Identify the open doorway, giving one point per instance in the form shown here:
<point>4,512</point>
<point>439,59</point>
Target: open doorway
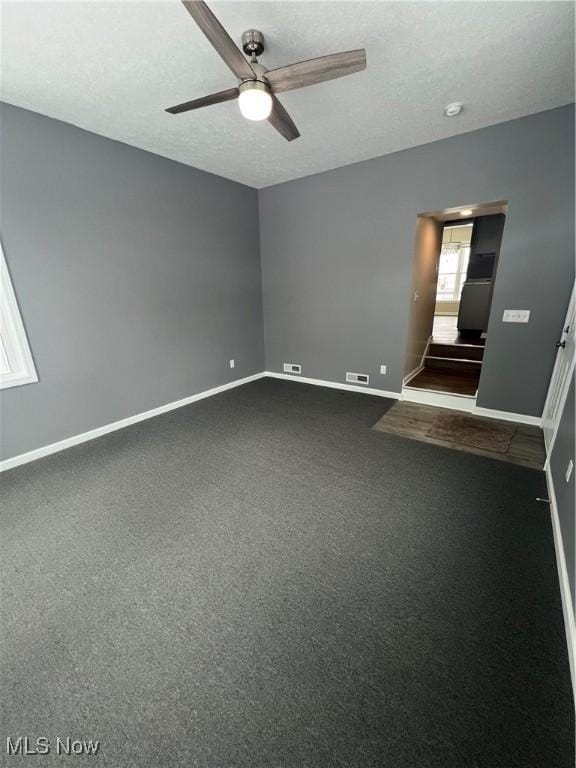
<point>455,264</point>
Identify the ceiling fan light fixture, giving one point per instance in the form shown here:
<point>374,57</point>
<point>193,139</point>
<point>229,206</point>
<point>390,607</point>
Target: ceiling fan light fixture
<point>257,86</point>
<point>255,101</point>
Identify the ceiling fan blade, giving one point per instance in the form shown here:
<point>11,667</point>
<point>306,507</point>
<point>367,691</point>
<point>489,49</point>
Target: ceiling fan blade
<point>219,38</point>
<point>205,101</point>
<point>316,70</point>
<point>282,121</point>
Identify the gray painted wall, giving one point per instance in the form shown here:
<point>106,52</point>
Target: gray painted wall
<point>138,278</point>
<point>562,452</point>
<point>337,252</point>
<point>171,254</point>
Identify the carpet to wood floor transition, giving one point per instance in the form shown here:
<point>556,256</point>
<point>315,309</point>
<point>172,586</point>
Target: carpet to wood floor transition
<point>502,440</point>
<point>261,580</point>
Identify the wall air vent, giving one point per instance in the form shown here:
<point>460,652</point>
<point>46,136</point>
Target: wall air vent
<point>357,378</point>
<point>292,368</point>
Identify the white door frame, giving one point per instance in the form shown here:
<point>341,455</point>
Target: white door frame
<point>561,377</point>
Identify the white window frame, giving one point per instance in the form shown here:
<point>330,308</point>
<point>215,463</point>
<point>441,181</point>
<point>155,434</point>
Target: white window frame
<point>14,347</point>
<point>460,275</point>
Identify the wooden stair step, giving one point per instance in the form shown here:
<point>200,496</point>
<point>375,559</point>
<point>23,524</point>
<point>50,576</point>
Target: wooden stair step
<point>452,364</point>
<point>457,351</point>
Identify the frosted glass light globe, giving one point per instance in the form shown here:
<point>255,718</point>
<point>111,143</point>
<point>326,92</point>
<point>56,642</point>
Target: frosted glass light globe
<point>255,103</point>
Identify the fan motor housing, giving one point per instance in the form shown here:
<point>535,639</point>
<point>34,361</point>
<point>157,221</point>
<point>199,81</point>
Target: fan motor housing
<point>254,85</point>
<point>253,42</point>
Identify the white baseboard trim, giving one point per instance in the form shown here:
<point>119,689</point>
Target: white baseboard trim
<point>335,385</point>
<point>419,368</point>
<point>567,607</point>
<point>61,445</point>
<point>454,402</point>
<point>519,418</point>
<point>466,404</point>
<point>438,399</point>
<point>413,374</point>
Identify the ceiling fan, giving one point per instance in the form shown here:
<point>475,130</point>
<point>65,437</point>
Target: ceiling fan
<point>257,87</point>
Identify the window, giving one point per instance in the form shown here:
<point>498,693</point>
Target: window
<point>453,265</point>
<point>16,364</point>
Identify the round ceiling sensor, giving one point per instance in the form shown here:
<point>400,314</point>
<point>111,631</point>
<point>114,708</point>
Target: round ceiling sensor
<point>453,109</point>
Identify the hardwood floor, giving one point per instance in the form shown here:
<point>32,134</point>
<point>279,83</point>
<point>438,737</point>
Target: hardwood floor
<point>445,331</point>
<point>416,421</point>
<point>445,380</point>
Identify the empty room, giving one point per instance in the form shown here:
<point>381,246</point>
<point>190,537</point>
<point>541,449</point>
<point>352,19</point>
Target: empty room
<point>287,384</point>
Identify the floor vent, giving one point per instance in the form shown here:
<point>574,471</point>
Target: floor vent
<point>357,378</point>
<point>292,368</point>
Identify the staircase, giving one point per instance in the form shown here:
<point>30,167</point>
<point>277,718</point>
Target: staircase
<point>466,358</point>
<point>451,368</point>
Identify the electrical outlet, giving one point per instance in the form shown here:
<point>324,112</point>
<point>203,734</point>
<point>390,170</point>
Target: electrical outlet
<point>516,316</point>
<point>383,370</point>
<point>569,470</point>
<point>232,363</point>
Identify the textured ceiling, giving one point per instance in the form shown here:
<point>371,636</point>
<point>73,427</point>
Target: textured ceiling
<point>112,68</point>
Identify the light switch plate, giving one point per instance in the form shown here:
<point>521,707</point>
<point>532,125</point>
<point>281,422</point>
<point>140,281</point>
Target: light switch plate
<point>516,316</point>
<point>383,370</point>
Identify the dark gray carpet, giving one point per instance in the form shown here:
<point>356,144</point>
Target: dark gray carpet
<point>261,580</point>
